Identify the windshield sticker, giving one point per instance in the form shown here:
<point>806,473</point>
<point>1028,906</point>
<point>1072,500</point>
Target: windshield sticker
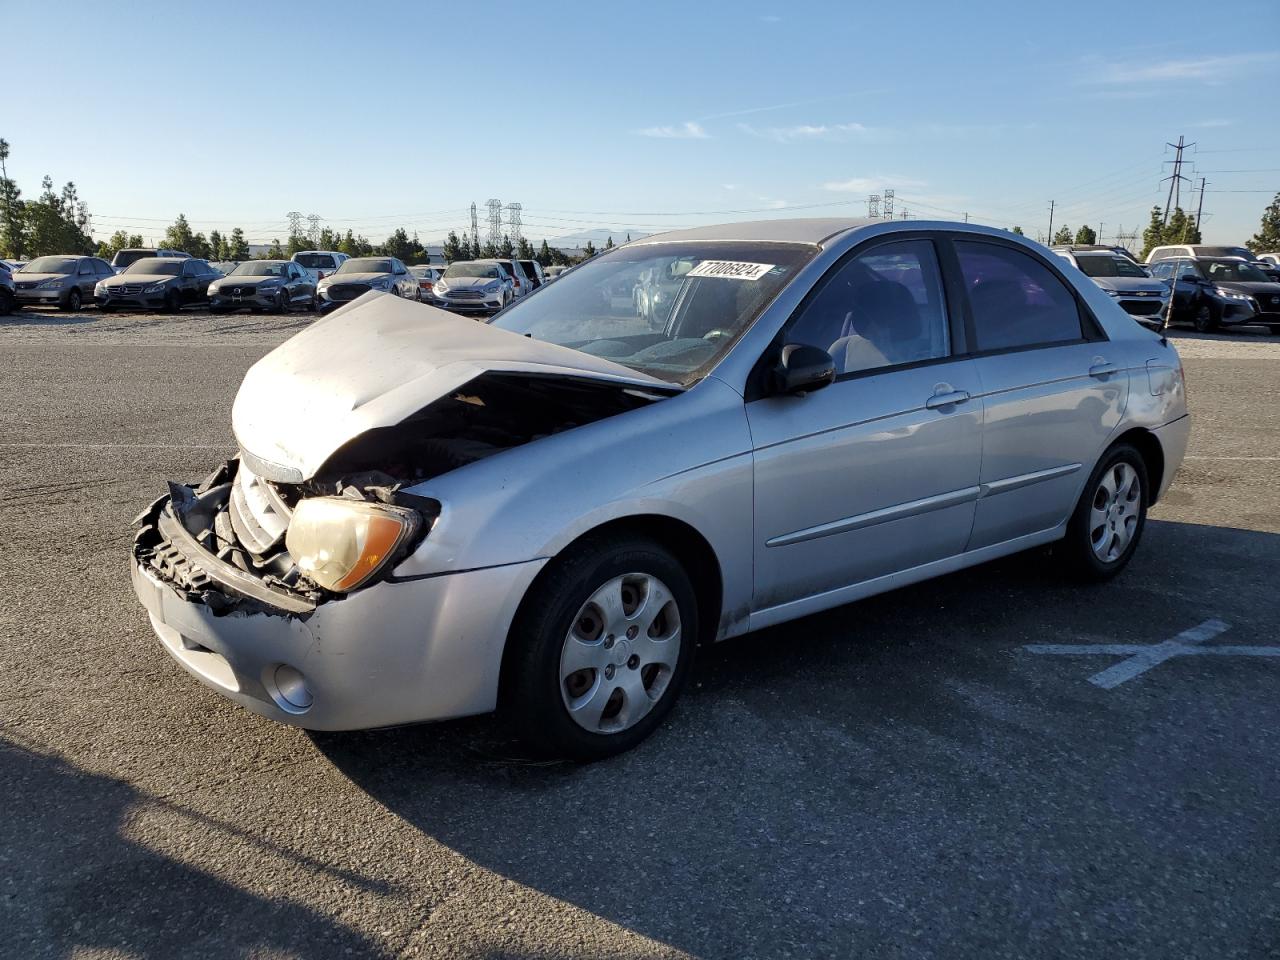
<point>730,270</point>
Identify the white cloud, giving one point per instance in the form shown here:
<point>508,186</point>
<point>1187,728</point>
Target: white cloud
<point>872,184</point>
<point>729,186</point>
<point>810,131</point>
<point>689,130</point>
<point>1214,68</point>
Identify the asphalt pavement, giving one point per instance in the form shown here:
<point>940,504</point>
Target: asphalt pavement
<point>913,776</point>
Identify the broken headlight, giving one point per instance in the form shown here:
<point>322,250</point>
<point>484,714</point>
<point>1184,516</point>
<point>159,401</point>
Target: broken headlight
<point>340,544</point>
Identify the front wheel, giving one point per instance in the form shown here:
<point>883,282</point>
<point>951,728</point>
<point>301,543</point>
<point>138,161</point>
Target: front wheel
<point>600,649</point>
<point>172,302</point>
<point>280,304</point>
<point>1204,320</point>
<point>73,301</point>
<point>1108,521</point>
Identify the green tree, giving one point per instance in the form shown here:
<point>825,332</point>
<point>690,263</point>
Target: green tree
<point>544,254</point>
<point>328,239</point>
<point>524,249</point>
<point>12,217</point>
<point>1181,228</point>
<point>297,242</point>
<point>1018,231</point>
<point>1085,236</point>
<point>1063,235</point>
<point>1153,235</point>
<point>56,223</point>
<point>179,236</point>
<point>608,244</point>
<point>237,247</point>
<point>487,251</point>
<point>453,248</point>
<point>116,242</point>
<point>399,245</point>
<point>1267,239</point>
<point>217,246</point>
<point>589,250</point>
<point>274,252</point>
<point>506,249</point>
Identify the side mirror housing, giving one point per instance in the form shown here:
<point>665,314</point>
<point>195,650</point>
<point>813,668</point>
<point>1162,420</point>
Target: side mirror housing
<point>802,367</point>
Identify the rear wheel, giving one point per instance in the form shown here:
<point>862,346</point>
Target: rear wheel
<point>1108,521</point>
<point>600,649</point>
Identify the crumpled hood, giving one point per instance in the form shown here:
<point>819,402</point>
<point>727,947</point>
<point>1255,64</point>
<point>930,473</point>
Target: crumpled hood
<point>373,364</point>
<point>1130,284</point>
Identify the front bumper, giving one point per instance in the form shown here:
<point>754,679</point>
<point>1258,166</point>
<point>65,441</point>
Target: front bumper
<point>150,301</point>
<point>255,300</point>
<point>40,297</point>
<point>485,305</point>
<point>393,653</point>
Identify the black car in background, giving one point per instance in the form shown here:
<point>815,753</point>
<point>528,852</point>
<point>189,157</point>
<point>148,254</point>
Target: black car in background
<point>1213,292</point>
<point>274,285</point>
<point>158,283</point>
<point>6,289</point>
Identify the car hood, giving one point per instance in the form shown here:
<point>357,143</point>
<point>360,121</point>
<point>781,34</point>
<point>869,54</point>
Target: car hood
<point>377,362</point>
<point>1255,288</point>
<point>122,278</point>
<point>1130,284</point>
<point>356,277</point>
<point>39,277</point>
<point>465,283</point>
<point>243,281</point>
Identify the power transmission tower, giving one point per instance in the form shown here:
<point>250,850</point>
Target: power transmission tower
<point>295,223</point>
<point>873,206</point>
<point>313,229</point>
<point>1176,178</point>
<point>887,207</point>
<point>905,215</point>
<point>513,217</point>
<point>475,228</point>
<point>495,221</point>
<point>1051,206</point>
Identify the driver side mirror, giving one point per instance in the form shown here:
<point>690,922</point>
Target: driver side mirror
<point>802,367</point>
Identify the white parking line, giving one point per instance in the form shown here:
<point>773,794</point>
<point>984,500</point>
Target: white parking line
<point>1260,459</point>
<point>1143,656</point>
<point>120,446</point>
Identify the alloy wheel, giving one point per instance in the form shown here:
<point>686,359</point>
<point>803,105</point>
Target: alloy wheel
<point>1114,513</point>
<point>620,654</point>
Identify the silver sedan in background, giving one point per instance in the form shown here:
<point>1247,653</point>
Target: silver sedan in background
<point>431,517</point>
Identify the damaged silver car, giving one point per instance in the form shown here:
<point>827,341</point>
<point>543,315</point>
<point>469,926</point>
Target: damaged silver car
<point>429,517</point>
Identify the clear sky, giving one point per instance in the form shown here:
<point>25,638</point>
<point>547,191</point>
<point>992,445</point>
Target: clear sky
<point>640,115</point>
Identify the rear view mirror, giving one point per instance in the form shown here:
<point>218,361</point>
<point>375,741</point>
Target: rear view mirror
<point>803,367</point>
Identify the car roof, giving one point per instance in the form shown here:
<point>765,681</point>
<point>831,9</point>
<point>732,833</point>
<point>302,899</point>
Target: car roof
<point>812,230</point>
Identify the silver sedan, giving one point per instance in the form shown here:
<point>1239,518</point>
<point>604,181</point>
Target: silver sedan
<point>431,517</point>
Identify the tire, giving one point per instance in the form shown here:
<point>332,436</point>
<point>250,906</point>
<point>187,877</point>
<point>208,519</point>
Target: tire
<point>1205,320</point>
<point>279,304</point>
<point>314,304</point>
<point>1108,521</point>
<point>6,303</point>
<point>105,308</point>
<point>74,301</point>
<point>172,302</point>
<point>627,683</point>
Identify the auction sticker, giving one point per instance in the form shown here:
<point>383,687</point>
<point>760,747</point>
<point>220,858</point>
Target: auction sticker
<point>730,270</point>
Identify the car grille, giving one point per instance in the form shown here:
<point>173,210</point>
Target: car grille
<point>465,295</point>
<point>125,290</point>
<point>1141,308</point>
<point>25,285</point>
<point>259,515</point>
<point>347,291</point>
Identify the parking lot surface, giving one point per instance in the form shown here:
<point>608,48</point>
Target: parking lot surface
<point>905,777</point>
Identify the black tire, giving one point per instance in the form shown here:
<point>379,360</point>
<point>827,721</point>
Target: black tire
<point>280,304</point>
<point>74,301</point>
<point>532,702</point>
<point>6,303</point>
<point>105,308</point>
<point>1076,550</point>
<point>172,302</point>
<point>314,304</point>
<point>1205,319</point>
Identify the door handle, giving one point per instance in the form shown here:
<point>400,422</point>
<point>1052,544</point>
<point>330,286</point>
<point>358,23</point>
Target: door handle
<point>1101,368</point>
<point>947,399</point>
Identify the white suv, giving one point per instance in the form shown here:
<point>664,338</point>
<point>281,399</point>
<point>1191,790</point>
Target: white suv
<point>319,263</point>
<point>1198,250</point>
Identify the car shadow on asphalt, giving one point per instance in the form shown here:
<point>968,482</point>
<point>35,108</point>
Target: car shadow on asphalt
<point>30,318</point>
<point>72,882</point>
<point>884,773</point>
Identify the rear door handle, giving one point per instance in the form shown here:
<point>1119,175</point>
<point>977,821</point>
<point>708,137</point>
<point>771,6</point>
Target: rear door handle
<point>1101,368</point>
<point>947,399</point>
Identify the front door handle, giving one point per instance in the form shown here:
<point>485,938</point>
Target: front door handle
<point>1101,368</point>
<point>947,399</point>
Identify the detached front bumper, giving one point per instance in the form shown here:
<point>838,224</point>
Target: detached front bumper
<point>392,653</point>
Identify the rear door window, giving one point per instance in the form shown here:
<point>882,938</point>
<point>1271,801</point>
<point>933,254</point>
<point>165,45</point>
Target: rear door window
<point>1016,301</point>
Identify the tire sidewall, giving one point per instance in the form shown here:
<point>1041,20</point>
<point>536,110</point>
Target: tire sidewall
<point>1078,547</point>
<point>537,639</point>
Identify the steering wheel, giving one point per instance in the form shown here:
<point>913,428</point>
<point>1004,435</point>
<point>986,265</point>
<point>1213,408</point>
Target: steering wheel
<point>717,333</point>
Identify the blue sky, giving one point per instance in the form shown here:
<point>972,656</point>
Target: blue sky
<point>616,116</point>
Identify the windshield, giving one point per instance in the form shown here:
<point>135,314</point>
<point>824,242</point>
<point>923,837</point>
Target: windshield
<point>260,268</point>
<point>314,261</point>
<point>1232,270</point>
<point>1106,266</point>
<point>51,265</point>
<point>1225,252</point>
<point>671,310</point>
<point>528,267</point>
<point>154,267</point>
<point>483,271</point>
<point>125,257</point>
<point>365,265</point>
